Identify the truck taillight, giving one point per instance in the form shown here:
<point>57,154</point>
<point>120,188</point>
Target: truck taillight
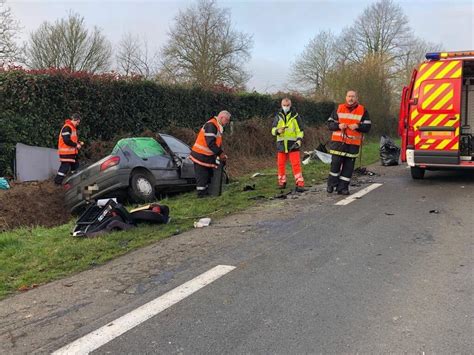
<point>411,138</point>
<point>112,161</point>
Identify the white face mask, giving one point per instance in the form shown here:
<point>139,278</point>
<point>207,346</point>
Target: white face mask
<point>286,108</point>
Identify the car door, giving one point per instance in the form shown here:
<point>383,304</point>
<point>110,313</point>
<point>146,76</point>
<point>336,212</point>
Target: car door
<point>148,153</point>
<point>183,152</point>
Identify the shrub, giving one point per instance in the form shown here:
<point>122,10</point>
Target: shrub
<point>34,104</point>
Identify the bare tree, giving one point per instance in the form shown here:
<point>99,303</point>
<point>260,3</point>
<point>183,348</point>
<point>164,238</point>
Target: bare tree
<point>10,52</point>
<point>69,44</point>
<point>204,49</point>
<point>134,57</point>
<point>311,69</point>
<point>382,30</point>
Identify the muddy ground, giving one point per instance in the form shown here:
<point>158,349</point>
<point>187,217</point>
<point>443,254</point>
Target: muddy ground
<point>32,204</point>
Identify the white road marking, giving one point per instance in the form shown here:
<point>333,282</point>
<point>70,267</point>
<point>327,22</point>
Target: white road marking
<point>112,330</point>
<point>357,195</point>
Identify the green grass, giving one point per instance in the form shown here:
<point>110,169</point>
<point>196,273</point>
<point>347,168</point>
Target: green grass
<point>33,256</point>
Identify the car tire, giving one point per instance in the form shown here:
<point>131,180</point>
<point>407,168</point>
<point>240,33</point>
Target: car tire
<point>417,173</point>
<point>142,188</point>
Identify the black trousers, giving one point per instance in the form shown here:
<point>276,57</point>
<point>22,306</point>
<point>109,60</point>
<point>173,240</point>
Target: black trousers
<point>341,172</point>
<point>203,178</point>
<point>64,169</point>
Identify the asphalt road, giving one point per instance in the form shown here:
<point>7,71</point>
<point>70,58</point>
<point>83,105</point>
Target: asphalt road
<point>381,274</point>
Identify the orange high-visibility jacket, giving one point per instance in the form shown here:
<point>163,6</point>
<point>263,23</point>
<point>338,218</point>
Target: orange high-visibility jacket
<point>208,144</point>
<point>349,136</point>
<point>68,152</point>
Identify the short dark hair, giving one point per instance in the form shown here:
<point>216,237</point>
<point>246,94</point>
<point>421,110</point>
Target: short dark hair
<point>75,117</point>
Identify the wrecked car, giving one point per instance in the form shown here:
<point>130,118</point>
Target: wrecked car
<point>137,169</point>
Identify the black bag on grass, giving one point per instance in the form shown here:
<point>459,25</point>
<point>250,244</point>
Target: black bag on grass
<point>389,152</point>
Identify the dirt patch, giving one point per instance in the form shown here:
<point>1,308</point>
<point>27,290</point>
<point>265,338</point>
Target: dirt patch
<point>32,204</point>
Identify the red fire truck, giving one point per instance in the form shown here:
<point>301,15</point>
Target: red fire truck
<point>436,122</point>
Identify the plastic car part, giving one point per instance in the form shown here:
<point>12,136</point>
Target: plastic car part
<point>100,219</point>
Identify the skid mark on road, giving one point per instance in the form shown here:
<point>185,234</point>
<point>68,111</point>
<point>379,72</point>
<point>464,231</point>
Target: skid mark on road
<point>114,329</point>
<point>357,195</point>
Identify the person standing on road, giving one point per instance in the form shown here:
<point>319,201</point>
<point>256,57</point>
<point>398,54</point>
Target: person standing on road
<point>347,124</point>
<point>207,152</point>
<point>288,128</point>
<point>68,148</point>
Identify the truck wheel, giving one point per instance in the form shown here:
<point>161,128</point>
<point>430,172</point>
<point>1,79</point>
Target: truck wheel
<point>142,188</point>
<point>417,173</point>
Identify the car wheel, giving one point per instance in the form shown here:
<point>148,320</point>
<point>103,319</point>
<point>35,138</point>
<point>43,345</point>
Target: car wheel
<point>417,173</point>
<point>142,188</point>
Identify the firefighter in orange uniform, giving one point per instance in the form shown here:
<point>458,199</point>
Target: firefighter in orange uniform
<point>207,149</point>
<point>68,148</point>
<point>347,124</point>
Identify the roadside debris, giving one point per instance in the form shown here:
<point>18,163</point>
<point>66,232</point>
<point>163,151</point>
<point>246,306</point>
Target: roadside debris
<point>258,197</point>
<point>364,171</point>
<point>262,174</point>
<point>107,215</point>
<point>4,184</point>
<point>389,152</point>
<point>203,222</point>
<point>320,153</point>
<point>249,188</point>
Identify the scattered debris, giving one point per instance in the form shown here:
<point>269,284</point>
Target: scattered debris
<point>249,187</point>
<point>203,222</point>
<point>434,211</point>
<point>316,155</point>
<point>258,197</point>
<point>364,171</point>
<point>262,174</point>
<point>4,184</point>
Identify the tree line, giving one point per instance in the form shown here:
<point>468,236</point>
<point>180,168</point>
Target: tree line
<point>375,55</point>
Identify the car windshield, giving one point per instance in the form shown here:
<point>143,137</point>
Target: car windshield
<point>176,145</point>
<point>143,147</point>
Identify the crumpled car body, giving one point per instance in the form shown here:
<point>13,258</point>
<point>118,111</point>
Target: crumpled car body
<point>137,169</point>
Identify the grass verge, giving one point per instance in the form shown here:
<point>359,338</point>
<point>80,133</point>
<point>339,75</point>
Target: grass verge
<point>33,256</point>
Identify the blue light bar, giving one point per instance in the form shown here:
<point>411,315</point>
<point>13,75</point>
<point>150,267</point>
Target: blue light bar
<point>433,56</point>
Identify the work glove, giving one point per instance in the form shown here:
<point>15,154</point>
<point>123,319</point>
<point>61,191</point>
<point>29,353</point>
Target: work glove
<point>223,157</point>
<point>296,145</point>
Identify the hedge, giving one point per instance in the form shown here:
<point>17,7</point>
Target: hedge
<point>34,104</point>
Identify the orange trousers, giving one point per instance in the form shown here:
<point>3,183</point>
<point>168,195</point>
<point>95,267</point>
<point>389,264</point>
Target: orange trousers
<point>295,165</point>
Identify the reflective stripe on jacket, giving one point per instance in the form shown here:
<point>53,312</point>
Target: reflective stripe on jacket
<point>68,153</point>
<point>293,132</point>
<point>348,117</point>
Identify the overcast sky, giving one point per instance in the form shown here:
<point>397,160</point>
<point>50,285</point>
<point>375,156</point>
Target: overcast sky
<point>280,29</point>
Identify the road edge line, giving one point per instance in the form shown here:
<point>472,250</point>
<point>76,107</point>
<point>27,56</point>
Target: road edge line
<point>358,194</point>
